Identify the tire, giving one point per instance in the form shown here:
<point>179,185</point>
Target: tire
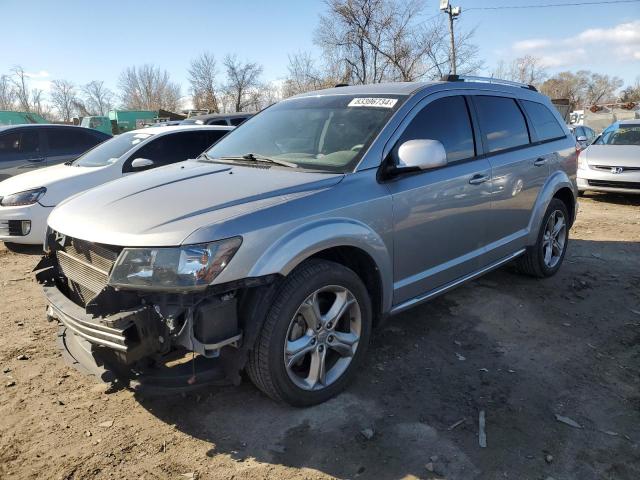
<point>535,261</point>
<point>275,367</point>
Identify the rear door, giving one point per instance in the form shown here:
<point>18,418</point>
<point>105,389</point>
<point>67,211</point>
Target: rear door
<point>519,162</point>
<point>440,215</point>
<point>65,144</point>
<point>21,150</point>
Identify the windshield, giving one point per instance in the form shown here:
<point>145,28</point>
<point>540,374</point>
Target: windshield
<point>622,135</point>
<point>329,133</point>
<point>108,152</point>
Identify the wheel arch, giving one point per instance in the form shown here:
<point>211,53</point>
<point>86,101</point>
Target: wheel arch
<point>558,185</point>
<point>345,241</point>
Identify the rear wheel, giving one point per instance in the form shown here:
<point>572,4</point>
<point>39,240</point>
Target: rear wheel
<point>315,335</point>
<point>545,257</point>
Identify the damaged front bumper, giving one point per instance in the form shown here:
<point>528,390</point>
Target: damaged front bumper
<point>136,337</point>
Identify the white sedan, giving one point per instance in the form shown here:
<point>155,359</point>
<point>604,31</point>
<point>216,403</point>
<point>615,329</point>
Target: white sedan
<point>27,199</point>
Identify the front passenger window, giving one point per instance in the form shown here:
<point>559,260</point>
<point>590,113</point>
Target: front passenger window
<point>446,120</point>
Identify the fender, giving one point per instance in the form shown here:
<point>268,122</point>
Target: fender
<point>306,240</point>
<point>557,180</point>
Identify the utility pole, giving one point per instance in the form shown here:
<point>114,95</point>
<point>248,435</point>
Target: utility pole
<point>453,13</point>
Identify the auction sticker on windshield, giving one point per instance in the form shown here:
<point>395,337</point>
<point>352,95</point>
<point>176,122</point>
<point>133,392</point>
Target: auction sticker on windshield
<point>373,102</point>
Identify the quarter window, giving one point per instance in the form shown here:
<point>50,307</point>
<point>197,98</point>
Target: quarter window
<point>502,123</point>
<point>446,120</point>
<point>544,122</point>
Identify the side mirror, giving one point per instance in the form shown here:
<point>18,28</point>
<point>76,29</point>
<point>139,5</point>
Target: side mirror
<point>581,138</point>
<point>142,164</point>
<point>421,155</point>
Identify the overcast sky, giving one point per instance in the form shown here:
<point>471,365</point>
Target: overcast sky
<point>88,40</point>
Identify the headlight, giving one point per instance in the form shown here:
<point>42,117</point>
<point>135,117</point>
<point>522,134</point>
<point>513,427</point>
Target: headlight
<point>191,267</point>
<point>28,197</point>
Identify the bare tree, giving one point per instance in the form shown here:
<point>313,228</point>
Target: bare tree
<point>242,79</point>
<point>346,33</point>
<point>147,87</point>
<point>601,88</point>
<point>63,98</point>
<point>98,99</point>
<point>527,69</point>
<point>631,93</point>
<point>202,78</point>
<point>386,40</point>
<point>7,95</point>
<point>305,76</point>
<point>21,88</point>
<point>582,88</point>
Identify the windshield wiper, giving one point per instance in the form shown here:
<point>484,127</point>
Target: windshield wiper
<point>256,157</point>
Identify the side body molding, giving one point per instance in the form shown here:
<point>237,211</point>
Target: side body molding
<point>306,240</point>
<point>556,181</point>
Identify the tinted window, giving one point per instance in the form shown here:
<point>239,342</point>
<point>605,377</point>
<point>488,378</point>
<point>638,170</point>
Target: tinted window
<point>68,141</point>
<point>176,147</point>
<point>217,122</point>
<point>446,120</point>
<point>502,123</point>
<point>544,122</point>
<point>237,121</point>
<point>19,144</point>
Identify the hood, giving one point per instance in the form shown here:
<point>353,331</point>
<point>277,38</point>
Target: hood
<point>613,155</point>
<point>162,207</point>
<point>61,181</point>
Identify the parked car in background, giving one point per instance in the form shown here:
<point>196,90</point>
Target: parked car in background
<point>233,119</point>
<point>583,134</point>
<point>287,241</point>
<point>26,200</point>
<point>612,162</point>
<point>28,147</point>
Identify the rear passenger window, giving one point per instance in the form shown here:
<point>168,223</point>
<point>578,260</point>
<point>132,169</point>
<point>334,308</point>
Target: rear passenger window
<point>502,123</point>
<point>67,141</point>
<point>446,120</point>
<point>20,144</point>
<point>544,122</point>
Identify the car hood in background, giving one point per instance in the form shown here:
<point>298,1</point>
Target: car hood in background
<point>162,207</point>
<point>61,181</point>
<point>613,155</point>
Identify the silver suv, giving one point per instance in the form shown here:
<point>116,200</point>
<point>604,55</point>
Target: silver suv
<point>279,249</point>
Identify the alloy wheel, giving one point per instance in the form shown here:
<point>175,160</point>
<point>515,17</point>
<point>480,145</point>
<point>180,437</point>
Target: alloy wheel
<point>322,337</point>
<point>554,239</point>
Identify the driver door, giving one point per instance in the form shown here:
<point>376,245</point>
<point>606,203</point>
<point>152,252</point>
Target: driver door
<point>440,215</point>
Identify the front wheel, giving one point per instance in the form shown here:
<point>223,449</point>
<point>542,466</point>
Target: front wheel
<point>315,335</point>
<point>545,257</point>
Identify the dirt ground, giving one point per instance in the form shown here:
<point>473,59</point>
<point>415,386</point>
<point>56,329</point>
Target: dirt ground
<point>521,350</point>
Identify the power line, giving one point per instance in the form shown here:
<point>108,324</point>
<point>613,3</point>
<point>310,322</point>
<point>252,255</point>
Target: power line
<point>551,5</point>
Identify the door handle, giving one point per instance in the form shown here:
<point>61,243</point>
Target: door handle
<point>478,179</point>
<point>540,162</point>
<point>36,160</point>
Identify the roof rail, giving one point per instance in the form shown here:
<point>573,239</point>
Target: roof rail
<point>498,81</point>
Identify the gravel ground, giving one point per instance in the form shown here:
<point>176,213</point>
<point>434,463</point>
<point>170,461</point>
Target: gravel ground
<point>521,350</point>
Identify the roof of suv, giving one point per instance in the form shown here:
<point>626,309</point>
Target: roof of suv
<point>45,125</point>
<point>409,88</point>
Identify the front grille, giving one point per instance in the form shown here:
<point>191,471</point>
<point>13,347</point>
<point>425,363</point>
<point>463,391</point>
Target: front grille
<point>607,168</point>
<point>613,184</point>
<point>86,267</point>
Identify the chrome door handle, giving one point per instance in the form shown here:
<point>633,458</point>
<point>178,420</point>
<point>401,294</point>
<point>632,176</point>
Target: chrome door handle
<point>478,179</point>
<point>540,162</point>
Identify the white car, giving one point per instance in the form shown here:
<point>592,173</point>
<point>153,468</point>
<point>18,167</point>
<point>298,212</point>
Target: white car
<point>26,200</point>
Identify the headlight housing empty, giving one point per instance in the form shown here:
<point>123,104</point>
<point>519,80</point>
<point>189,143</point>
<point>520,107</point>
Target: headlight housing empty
<point>28,197</point>
<point>190,267</point>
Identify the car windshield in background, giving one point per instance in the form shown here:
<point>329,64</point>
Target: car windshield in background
<point>108,152</point>
<point>623,135</point>
<point>327,133</point>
